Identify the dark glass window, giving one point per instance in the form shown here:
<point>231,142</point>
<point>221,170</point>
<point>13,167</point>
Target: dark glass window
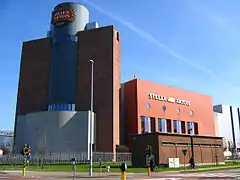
<point>183,127</point>
<point>169,125</point>
<point>61,107</point>
<point>65,38</point>
<point>153,124</point>
<point>196,128</point>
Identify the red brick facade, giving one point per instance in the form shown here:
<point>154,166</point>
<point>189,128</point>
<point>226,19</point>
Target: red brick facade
<point>138,93</point>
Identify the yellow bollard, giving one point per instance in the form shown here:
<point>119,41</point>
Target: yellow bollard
<point>24,166</point>
<point>149,170</point>
<point>123,175</point>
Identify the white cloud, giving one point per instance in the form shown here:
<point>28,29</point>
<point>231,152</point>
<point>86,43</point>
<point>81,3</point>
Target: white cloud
<point>150,38</point>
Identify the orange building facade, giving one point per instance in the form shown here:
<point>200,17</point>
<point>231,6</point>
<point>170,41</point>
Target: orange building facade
<point>150,107</point>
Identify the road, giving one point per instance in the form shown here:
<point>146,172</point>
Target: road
<point>223,174</point>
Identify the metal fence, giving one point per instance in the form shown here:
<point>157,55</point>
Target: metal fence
<point>64,158</point>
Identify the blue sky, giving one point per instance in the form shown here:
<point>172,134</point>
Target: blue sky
<point>190,44</point>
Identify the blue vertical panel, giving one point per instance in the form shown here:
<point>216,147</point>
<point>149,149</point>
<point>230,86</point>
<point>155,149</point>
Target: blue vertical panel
<point>69,107</point>
<point>65,107</point>
<point>73,107</point>
<point>61,107</point>
<point>62,83</point>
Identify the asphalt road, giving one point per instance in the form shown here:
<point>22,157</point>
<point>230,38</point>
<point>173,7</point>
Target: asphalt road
<point>223,174</point>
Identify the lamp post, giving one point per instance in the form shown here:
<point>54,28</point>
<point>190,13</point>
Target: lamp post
<point>192,149</point>
<point>91,120</point>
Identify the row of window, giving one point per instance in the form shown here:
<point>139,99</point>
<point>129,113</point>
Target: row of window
<point>164,108</point>
<point>65,38</point>
<point>61,107</point>
<point>165,125</point>
<point>6,144</point>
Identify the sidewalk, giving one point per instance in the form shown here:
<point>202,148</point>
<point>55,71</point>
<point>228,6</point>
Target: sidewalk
<point>209,169</point>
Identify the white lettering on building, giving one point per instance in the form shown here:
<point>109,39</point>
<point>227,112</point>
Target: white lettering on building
<point>168,99</point>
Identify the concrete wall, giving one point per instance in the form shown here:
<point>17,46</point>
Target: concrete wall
<point>54,131</point>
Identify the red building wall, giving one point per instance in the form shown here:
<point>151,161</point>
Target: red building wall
<point>136,95</point>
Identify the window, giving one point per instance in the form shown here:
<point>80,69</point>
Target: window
<point>148,105</point>
<point>164,108</point>
<point>191,112</point>
<point>142,124</point>
<point>178,110</point>
<point>61,107</point>
<point>69,107</point>
<point>118,36</point>
<point>65,38</point>
<point>169,125</point>
<point>190,126</point>
<point>196,128</point>
<point>153,124</point>
<point>183,127</point>
<point>162,125</point>
<point>145,124</point>
<point>177,127</point>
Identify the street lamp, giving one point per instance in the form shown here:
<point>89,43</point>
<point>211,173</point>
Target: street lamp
<point>192,149</point>
<point>91,120</point>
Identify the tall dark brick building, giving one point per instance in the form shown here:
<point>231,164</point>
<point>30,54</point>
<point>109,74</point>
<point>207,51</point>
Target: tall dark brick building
<point>54,84</point>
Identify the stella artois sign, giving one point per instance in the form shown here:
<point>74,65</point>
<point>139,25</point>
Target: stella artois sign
<point>62,15</point>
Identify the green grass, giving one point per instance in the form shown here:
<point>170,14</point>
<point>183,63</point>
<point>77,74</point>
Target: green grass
<point>115,168</point>
<point>68,168</point>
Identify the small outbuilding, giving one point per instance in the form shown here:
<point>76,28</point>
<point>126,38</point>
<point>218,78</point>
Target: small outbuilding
<point>166,147</point>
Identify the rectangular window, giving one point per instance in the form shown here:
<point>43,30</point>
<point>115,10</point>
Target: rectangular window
<point>145,124</point>
<point>153,125</point>
<point>73,107</point>
<point>169,126</point>
<point>63,107</point>
<point>196,128</point>
<point>69,107</point>
<point>162,125</point>
<point>142,124</point>
<point>60,108</point>
<point>190,126</point>
<point>177,126</point>
<point>183,126</point>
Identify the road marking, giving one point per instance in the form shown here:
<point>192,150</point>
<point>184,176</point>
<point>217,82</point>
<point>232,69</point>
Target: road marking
<point>163,179</point>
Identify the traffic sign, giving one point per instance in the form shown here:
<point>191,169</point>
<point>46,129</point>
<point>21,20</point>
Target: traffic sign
<point>184,151</point>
